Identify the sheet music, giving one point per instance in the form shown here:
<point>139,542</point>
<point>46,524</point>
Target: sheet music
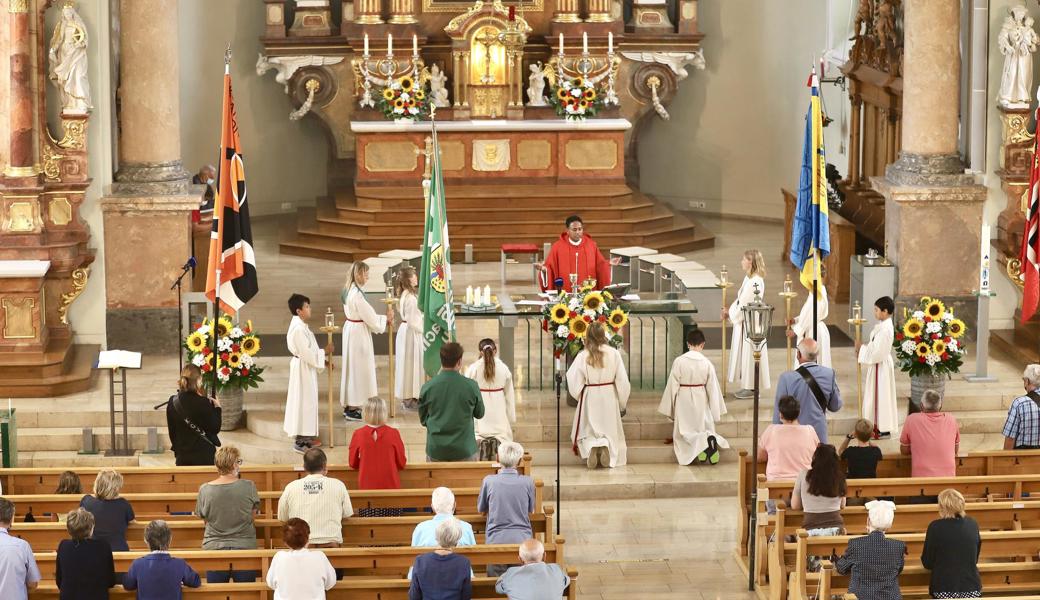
<point>114,359</point>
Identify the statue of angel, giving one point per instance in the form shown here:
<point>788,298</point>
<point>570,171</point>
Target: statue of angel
<point>439,87</point>
<point>1017,42</point>
<point>536,85</point>
<point>68,61</point>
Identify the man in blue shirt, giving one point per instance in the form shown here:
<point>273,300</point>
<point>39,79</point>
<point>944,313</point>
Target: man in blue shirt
<point>443,504</point>
<point>1022,429</point>
<point>535,579</point>
<point>793,383</point>
<point>18,570</point>
<point>159,576</point>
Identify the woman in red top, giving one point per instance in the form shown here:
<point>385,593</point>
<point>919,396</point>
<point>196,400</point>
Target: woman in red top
<point>377,452</point>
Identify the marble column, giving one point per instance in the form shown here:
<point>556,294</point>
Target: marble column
<point>933,210</point>
<point>21,155</point>
<point>147,211</point>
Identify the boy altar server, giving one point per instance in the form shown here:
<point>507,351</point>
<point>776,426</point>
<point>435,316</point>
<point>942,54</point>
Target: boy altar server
<point>879,389</point>
<point>694,401</point>
<point>301,405</point>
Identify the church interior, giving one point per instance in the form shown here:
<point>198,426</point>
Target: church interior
<point>690,137</point>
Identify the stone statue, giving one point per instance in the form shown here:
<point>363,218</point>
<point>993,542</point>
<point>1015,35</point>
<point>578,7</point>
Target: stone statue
<point>536,85</point>
<point>1017,42</point>
<point>439,87</point>
<point>68,61</point>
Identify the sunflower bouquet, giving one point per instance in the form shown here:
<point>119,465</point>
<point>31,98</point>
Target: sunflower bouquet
<point>234,363</point>
<point>568,318</point>
<point>928,340</point>
<point>576,99</point>
<point>404,98</point>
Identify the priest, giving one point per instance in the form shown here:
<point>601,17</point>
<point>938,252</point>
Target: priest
<point>575,252</point>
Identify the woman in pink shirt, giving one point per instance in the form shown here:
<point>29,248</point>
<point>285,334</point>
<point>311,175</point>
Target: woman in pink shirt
<point>788,447</point>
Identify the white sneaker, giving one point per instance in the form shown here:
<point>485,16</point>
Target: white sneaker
<point>744,394</point>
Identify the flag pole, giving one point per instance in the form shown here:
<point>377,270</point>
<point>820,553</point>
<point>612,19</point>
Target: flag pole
<point>815,318</point>
<point>218,222</point>
<point>440,214</point>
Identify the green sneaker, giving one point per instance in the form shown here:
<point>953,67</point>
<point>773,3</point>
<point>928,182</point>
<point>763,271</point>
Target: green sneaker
<point>702,457</point>
<point>714,455</point>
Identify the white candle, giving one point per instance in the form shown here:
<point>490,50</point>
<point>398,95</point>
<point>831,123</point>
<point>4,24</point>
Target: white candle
<point>389,44</point>
<point>584,42</point>
<point>366,44</point>
<point>487,295</point>
<point>469,294</point>
<point>610,42</point>
<point>561,44</point>
<point>415,45</point>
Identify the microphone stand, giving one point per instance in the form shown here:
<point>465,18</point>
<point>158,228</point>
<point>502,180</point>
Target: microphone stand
<point>180,318</point>
<point>559,392</point>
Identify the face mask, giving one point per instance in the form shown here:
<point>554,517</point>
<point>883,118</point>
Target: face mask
<point>209,181</point>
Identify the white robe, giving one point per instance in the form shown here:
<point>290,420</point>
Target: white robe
<point>597,422</point>
<point>802,328</point>
<point>358,375</point>
<point>301,404</point>
<point>879,389</point>
<point>499,405</point>
<point>741,354</point>
<point>408,370</point>
<point>694,401</point>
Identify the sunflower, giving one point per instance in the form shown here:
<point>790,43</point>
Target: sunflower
<point>224,327</point>
<point>939,347</point>
<point>419,94</point>
<point>398,103</point>
<point>388,94</point>
<point>210,361</point>
<point>935,309</point>
<point>251,345</point>
<point>590,94</point>
<point>593,300</point>
<point>955,328</point>
<point>406,83</point>
<point>196,342</point>
<point>559,313</point>
<point>923,349</point>
<point>578,82</point>
<point>583,103</point>
<point>579,327</point>
<point>235,360</point>
<point>617,318</point>
<point>913,328</point>
<point>562,94</point>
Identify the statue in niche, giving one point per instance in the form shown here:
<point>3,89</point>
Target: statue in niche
<point>439,87</point>
<point>68,61</point>
<point>1017,42</point>
<point>536,85</point>
<point>864,16</point>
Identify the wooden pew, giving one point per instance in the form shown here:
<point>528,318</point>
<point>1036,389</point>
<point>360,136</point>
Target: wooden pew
<point>357,531</point>
<point>998,579</point>
<point>390,562</point>
<point>997,462</point>
<point>272,478</point>
<point>355,588</point>
<point>153,506</point>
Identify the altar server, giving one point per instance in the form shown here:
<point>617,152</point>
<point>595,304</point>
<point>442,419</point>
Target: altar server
<point>358,381</point>
<point>301,405</point>
<point>598,377</point>
<point>879,389</point>
<point>409,376</point>
<point>742,361</point>
<point>496,388</point>
<point>694,401</point>
<point>801,327</point>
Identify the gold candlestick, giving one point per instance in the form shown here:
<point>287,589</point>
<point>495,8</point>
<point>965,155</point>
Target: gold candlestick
<point>390,301</point>
<point>724,283</point>
<point>857,321</point>
<point>330,328</point>
<point>787,295</point>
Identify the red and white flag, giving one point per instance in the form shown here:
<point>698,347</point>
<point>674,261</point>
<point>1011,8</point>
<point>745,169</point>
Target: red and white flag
<point>1031,242</point>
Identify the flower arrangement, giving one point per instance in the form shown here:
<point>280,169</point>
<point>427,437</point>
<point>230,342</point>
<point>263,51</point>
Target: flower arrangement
<point>234,364</point>
<point>576,99</point>
<point>928,342</point>
<point>404,98</point>
<point>569,317</point>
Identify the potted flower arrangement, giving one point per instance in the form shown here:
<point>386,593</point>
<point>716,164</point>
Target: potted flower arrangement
<point>928,346</point>
<point>233,365</point>
<point>404,100</point>
<point>576,99</point>
<point>568,319</point>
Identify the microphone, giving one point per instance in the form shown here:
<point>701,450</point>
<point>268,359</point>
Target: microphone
<point>190,264</point>
<point>558,284</point>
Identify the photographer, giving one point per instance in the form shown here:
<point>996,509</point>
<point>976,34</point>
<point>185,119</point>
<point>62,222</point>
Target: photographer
<point>193,420</point>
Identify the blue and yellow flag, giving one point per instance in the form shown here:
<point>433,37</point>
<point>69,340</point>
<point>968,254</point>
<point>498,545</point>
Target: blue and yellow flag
<point>810,232</point>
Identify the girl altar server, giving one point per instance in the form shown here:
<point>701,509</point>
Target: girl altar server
<point>409,376</point>
<point>598,375</point>
<point>694,401</point>
<point>741,357</point>
<point>496,388</point>
<point>358,380</point>
<point>801,327</point>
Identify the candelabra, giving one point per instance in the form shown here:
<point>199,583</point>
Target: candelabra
<point>724,284</point>
<point>857,321</point>
<point>788,294</point>
<point>329,329</point>
<point>384,71</point>
<point>590,68</point>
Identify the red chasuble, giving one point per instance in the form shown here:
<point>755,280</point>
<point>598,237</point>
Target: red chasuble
<point>561,261</point>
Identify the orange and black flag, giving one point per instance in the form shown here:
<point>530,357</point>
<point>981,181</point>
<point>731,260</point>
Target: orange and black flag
<point>231,274</point>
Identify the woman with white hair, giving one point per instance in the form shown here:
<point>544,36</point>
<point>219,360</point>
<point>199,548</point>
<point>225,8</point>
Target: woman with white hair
<point>951,550</point>
<point>1022,429</point>
<point>442,574</point>
<point>443,505</point>
<point>874,561</point>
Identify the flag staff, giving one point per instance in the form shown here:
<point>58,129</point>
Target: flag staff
<point>218,226</point>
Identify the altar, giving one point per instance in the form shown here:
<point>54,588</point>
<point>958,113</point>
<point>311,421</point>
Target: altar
<point>549,151</point>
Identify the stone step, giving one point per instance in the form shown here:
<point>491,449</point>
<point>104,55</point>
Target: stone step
<point>69,458</point>
<point>71,438</point>
<point>640,481</point>
<point>97,419</point>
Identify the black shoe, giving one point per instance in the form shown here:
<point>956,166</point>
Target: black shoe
<point>713,450</point>
<point>300,447</point>
<point>352,414</point>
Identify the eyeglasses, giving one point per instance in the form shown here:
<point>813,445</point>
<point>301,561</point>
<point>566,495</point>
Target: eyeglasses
<point>239,462</point>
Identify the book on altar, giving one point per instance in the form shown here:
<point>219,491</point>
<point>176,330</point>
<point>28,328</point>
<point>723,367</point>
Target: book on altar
<point>115,359</point>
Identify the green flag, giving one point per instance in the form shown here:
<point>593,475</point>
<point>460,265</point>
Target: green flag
<point>435,300</point>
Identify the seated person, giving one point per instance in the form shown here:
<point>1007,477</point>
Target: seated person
<point>300,573</point>
<point>112,514</point>
<point>442,574</point>
<point>534,580</point>
<point>788,447</point>
<point>84,568</point>
<point>874,561</point>
<point>443,504</point>
<point>159,576</point>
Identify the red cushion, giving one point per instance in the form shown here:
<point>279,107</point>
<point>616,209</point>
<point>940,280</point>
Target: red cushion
<point>520,248</point>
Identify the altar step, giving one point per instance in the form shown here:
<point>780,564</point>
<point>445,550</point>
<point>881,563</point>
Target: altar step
<point>64,368</point>
<point>356,224</point>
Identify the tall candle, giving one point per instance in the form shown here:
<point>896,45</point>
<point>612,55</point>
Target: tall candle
<point>487,295</point>
<point>610,42</point>
<point>390,44</point>
<point>584,42</point>
<point>469,294</point>
<point>366,44</point>
<point>415,45</point>
<point>561,44</point>
<point>984,258</point>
